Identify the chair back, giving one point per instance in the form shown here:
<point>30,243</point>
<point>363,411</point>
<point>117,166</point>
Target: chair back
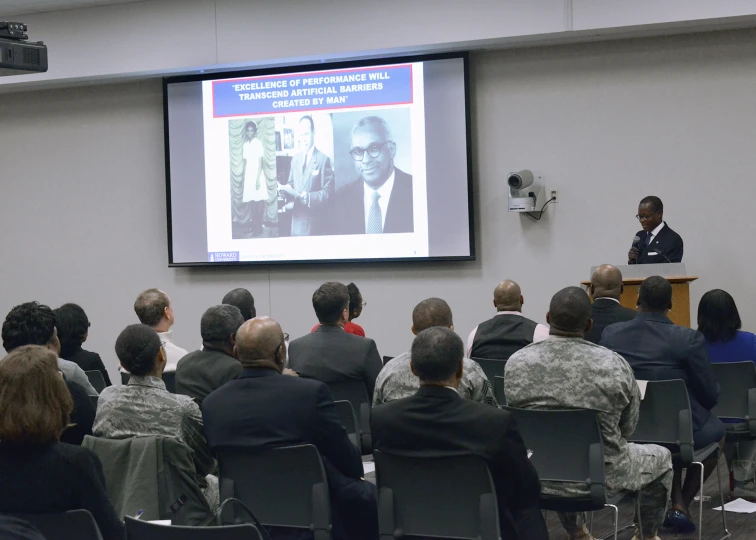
<point>125,377</point>
<point>348,419</point>
<point>387,359</point>
<point>567,446</point>
<point>737,396</point>
<point>169,378</point>
<point>665,418</point>
<point>96,380</point>
<point>136,529</point>
<point>498,389</point>
<point>77,524</point>
<point>354,392</point>
<point>491,368</point>
<point>94,400</point>
<point>416,498</point>
<point>284,487</point>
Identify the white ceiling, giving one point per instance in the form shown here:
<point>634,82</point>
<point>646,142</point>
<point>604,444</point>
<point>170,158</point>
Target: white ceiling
<point>13,8</point>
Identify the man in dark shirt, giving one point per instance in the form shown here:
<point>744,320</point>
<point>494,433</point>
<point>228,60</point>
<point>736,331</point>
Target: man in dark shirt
<point>659,350</point>
<point>606,289</point>
<point>437,422</point>
<point>329,354</point>
<point>261,410</point>
<point>242,299</point>
<point>200,372</point>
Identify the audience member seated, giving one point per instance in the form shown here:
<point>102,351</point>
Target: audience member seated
<point>355,310</point>
<point>719,322</point>
<point>12,528</point>
<point>606,289</point>
<point>329,354</point>
<point>39,474</point>
<point>396,380</point>
<point>242,299</point>
<point>568,372</point>
<point>201,372</point>
<point>144,407</point>
<point>436,422</point>
<point>154,308</point>
<point>508,331</point>
<point>261,409</point>
<point>657,350</point>
<point>73,330</point>
<point>34,324</point>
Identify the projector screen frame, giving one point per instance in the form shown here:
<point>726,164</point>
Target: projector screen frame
<point>324,66</point>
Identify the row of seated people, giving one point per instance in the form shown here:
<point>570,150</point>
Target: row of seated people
<point>330,305</point>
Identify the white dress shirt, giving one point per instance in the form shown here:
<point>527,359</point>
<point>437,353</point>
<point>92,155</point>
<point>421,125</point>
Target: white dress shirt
<point>173,352</point>
<point>385,192</point>
<point>655,232</point>
<point>606,298</point>
<point>541,332</point>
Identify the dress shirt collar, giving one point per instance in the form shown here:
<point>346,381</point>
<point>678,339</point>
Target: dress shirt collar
<point>146,380</point>
<point>166,336</point>
<point>606,298</point>
<point>659,227</point>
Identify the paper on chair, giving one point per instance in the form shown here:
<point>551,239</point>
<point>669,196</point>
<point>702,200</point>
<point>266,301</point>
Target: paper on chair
<point>368,466</point>
<point>739,506</point>
<point>642,387</point>
<point>160,521</point>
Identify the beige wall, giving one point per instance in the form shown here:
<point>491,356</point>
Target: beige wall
<point>82,210</point>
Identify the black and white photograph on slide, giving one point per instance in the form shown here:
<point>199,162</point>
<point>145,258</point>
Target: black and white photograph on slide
<point>374,172</point>
<point>306,186</point>
<point>252,150</point>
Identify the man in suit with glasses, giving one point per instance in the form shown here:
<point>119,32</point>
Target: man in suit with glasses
<point>656,243</point>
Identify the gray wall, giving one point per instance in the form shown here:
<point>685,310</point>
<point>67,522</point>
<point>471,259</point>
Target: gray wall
<point>82,206</point>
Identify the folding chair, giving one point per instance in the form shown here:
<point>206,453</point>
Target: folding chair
<point>137,529</point>
<point>96,380</point>
<point>77,524</point>
<point>354,392</point>
<point>491,368</point>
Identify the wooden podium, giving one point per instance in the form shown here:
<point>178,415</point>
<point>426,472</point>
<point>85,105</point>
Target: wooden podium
<point>633,276</point>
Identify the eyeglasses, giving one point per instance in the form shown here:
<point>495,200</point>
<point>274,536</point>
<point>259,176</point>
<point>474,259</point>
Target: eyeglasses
<point>286,337</point>
<point>646,217</point>
<point>363,304</point>
<point>374,150</point>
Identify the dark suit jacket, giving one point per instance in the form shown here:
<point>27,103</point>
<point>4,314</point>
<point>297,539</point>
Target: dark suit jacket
<point>668,241</point>
<point>200,372</point>
<point>605,311</point>
<point>317,180</point>
<point>657,350</point>
<point>331,355</point>
<point>437,422</point>
<point>351,207</point>
<point>88,361</point>
<point>262,409</point>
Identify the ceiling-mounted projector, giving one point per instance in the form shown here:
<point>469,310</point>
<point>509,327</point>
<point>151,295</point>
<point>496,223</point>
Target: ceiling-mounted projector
<point>18,56</point>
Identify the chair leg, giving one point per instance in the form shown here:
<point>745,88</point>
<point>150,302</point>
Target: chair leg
<point>638,511</point>
<point>700,500</point>
<point>616,520</point>
<point>721,498</point>
<point>590,524</point>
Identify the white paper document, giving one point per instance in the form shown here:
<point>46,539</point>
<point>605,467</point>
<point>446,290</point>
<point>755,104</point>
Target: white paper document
<point>368,466</point>
<point>739,506</point>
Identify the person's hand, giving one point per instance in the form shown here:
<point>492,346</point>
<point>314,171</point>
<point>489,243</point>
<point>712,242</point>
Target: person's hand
<point>304,198</point>
<point>289,206</point>
<point>291,372</point>
<point>286,188</point>
<point>633,253</point>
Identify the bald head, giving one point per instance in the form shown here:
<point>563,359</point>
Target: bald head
<point>606,282</point>
<point>260,343</point>
<point>507,296</point>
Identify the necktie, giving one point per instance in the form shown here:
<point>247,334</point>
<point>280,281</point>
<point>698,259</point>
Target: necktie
<point>375,218</point>
<point>304,165</point>
<point>648,240</point>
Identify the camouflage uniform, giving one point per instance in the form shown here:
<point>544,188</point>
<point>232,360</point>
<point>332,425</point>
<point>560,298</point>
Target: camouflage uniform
<point>143,408</point>
<point>570,373</point>
<point>396,381</point>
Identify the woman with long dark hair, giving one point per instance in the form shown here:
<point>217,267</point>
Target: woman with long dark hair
<point>719,322</point>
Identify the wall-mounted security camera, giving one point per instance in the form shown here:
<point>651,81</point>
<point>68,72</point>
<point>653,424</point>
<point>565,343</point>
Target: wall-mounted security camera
<point>526,190</point>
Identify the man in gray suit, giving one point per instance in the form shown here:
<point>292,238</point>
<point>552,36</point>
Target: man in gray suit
<point>329,354</point>
<point>310,184</point>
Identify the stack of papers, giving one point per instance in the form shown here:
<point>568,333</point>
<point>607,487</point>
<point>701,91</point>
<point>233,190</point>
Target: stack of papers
<point>739,506</point>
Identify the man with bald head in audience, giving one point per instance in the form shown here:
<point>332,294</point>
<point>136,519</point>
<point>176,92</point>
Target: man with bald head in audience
<point>508,331</point>
<point>396,380</point>
<point>606,289</point>
<point>568,372</point>
<point>261,410</point>
<point>242,299</point>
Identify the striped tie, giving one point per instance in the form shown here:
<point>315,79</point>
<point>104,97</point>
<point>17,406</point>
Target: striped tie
<point>375,218</point>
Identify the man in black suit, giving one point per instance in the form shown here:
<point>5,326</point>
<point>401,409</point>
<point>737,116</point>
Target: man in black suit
<point>659,350</point>
<point>437,422</point>
<point>606,289</point>
<point>657,242</point>
<point>261,409</point>
<point>380,201</point>
<point>200,372</point>
<point>329,354</point>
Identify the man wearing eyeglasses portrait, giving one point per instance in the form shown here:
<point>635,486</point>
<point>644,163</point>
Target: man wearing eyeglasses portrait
<point>656,243</point>
<point>380,201</point>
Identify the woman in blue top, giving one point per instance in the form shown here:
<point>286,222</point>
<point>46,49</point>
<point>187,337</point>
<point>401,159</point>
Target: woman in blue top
<point>719,322</point>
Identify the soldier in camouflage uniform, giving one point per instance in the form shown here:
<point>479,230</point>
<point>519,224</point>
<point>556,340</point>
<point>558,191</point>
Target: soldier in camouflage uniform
<point>396,380</point>
<point>144,407</point>
<point>567,372</point>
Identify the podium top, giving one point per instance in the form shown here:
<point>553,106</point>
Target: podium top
<point>642,271</point>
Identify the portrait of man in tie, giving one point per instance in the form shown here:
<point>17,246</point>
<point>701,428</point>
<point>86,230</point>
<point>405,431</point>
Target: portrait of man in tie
<point>380,201</point>
<point>310,187</point>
